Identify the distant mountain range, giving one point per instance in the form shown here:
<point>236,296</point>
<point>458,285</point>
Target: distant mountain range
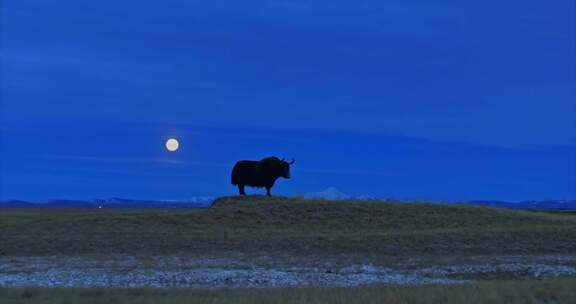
<point>332,193</point>
<point>196,202</point>
<point>206,201</point>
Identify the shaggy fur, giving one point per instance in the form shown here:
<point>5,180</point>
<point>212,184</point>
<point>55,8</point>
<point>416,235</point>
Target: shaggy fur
<point>260,174</point>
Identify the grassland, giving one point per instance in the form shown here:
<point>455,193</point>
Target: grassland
<point>536,292</point>
<point>263,231</point>
<point>290,227</point>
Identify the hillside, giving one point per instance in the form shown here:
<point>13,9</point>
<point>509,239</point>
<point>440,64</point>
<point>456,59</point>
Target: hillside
<point>285,226</point>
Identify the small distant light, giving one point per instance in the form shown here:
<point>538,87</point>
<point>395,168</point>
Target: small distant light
<point>99,207</point>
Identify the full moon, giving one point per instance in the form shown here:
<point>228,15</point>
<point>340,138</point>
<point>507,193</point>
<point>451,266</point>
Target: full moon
<point>172,145</point>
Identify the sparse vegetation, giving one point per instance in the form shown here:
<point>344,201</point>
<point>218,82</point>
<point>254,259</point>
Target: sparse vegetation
<point>272,226</point>
<point>313,230</point>
<point>537,292</point>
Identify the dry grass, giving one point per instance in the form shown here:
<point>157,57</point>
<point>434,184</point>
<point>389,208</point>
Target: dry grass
<point>259,225</point>
<point>537,292</point>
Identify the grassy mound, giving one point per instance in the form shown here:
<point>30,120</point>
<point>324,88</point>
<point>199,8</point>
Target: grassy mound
<point>383,216</point>
<point>261,225</point>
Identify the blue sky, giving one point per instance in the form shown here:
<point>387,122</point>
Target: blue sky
<point>407,99</point>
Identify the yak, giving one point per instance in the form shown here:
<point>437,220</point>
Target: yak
<point>260,174</point>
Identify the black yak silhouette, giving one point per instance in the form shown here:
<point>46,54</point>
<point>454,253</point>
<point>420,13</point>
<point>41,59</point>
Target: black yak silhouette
<point>260,174</point>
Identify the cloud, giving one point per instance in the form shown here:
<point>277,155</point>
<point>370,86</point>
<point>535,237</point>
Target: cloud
<point>415,68</point>
<point>113,159</point>
<point>329,171</point>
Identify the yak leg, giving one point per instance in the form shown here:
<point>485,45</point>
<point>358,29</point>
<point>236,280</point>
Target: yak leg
<point>268,191</point>
<point>241,189</point>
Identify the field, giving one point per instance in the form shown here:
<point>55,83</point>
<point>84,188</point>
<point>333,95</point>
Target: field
<point>285,247</point>
<point>288,226</point>
<point>556,291</point>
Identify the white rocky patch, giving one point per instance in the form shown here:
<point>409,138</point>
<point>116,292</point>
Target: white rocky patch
<point>186,272</point>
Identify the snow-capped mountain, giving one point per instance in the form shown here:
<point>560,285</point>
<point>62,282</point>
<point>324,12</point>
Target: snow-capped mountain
<point>330,193</point>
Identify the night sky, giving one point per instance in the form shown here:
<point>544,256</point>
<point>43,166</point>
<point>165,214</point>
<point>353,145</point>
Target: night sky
<point>442,100</point>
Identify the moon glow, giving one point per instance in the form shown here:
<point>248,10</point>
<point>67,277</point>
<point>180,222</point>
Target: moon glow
<point>172,145</point>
